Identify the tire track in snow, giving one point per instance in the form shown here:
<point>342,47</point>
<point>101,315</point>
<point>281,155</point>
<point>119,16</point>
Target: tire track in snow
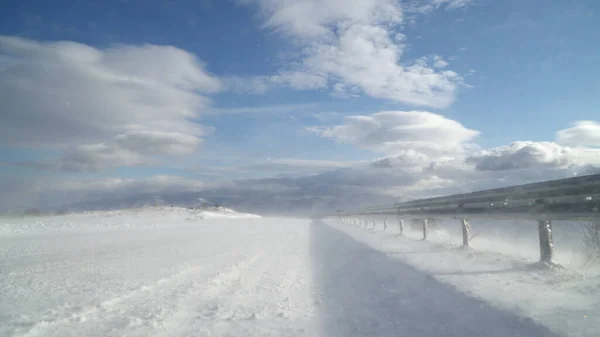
<point>273,298</point>
<point>205,299</point>
<point>143,306</point>
<point>278,303</point>
<point>104,252</point>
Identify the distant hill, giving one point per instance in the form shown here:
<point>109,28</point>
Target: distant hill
<point>153,201</point>
<point>200,203</point>
<point>252,201</point>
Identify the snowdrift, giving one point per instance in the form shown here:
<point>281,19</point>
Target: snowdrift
<point>142,217</point>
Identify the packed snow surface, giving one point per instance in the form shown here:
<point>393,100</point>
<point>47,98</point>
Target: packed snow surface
<point>167,271</point>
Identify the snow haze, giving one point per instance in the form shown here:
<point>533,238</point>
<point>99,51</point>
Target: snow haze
<point>169,271</point>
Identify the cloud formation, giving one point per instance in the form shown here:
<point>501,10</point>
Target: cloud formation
<point>107,107</point>
<point>428,154</point>
<point>426,6</point>
<point>353,47</point>
<point>292,165</point>
<point>582,133</point>
<point>528,154</point>
<point>414,135</point>
<point>403,158</point>
<point>524,154</point>
<point>129,149</point>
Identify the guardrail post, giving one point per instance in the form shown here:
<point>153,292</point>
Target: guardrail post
<point>401,225</point>
<point>546,244</point>
<point>466,228</point>
<point>424,228</point>
<point>384,224</point>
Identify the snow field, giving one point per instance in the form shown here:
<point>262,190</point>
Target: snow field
<point>174,272</point>
<point>211,278</point>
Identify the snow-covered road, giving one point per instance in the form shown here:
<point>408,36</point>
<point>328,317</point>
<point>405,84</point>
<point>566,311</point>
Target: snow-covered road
<point>172,275</point>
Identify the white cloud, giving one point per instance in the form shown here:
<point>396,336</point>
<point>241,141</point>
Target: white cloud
<point>452,4</point>
<point>158,143</point>
<point>439,62</point>
<point>254,85</point>
<point>583,133</point>
<point>269,109</point>
<point>61,192</point>
<point>426,6</point>
<point>129,149</point>
<point>405,133</point>
<point>428,154</point>
<point>527,154</point>
<point>119,105</point>
<point>353,47</point>
<point>314,192</point>
<point>126,187</point>
<point>280,167</point>
<point>299,166</point>
<point>315,18</point>
<point>341,183</point>
<point>95,157</point>
<point>407,157</point>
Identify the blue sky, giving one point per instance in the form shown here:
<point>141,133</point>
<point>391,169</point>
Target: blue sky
<point>252,89</point>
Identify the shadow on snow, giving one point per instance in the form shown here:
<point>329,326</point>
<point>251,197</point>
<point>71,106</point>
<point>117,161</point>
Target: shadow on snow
<point>363,292</point>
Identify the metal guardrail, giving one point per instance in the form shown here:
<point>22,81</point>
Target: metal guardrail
<point>571,199</point>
